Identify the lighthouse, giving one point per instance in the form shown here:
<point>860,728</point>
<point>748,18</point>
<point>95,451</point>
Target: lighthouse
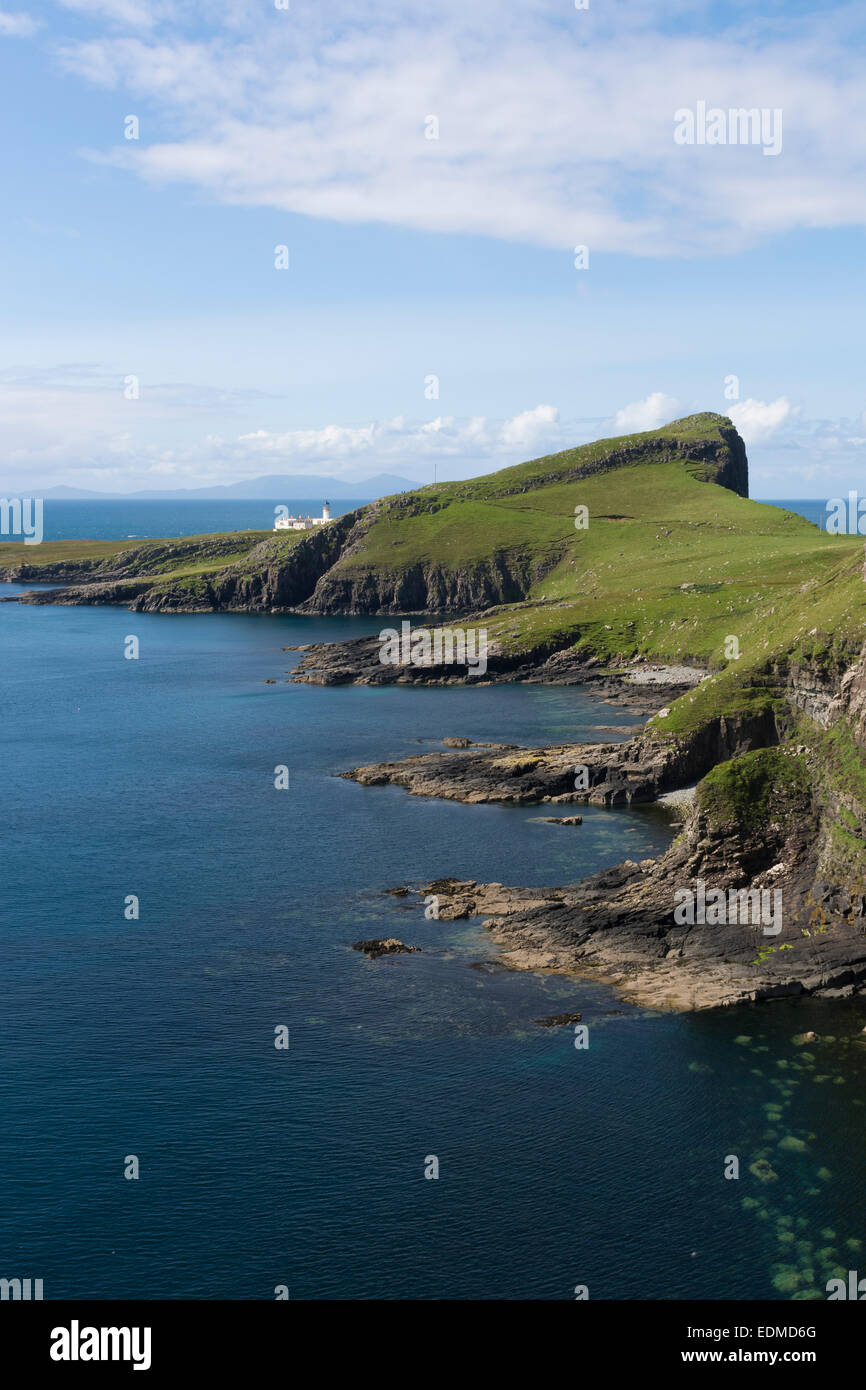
<point>326,512</point>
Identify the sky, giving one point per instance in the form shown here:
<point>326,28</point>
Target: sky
<point>343,238</point>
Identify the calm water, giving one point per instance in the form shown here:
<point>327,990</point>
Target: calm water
<point>813,509</point>
<point>155,1037</point>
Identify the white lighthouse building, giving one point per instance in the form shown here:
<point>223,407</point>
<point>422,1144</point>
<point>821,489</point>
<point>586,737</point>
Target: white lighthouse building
<point>302,523</point>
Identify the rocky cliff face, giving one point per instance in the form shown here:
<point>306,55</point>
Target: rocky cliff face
<point>277,574</point>
<point>429,588</point>
<point>848,700</point>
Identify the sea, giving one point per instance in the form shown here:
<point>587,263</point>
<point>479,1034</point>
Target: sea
<point>175,908</point>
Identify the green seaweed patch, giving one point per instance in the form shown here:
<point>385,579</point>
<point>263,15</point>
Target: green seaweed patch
<point>762,1170</point>
<point>787,1278</point>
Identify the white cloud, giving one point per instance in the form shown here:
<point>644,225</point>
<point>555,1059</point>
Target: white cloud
<point>397,438</point>
<point>73,424</point>
<point>760,420</point>
<point>17,25</point>
<point>555,127</point>
<point>526,429</point>
<point>650,414</point>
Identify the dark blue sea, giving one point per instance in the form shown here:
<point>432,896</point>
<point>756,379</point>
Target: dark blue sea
<point>260,1167</point>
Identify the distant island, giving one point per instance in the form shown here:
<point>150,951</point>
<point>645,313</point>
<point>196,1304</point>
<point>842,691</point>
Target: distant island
<point>639,568</point>
<point>270,488</point>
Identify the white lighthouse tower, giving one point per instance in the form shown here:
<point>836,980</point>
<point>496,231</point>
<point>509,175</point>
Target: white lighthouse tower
<point>326,512</point>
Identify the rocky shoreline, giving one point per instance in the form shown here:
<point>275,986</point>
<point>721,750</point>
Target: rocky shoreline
<point>756,819</point>
<point>638,686</point>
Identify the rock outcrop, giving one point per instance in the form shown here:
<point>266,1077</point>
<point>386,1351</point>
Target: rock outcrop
<point>602,774</point>
<point>625,925</point>
<point>384,946</point>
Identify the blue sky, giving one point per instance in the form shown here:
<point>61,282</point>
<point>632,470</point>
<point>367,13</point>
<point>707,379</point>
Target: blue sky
<point>411,257</point>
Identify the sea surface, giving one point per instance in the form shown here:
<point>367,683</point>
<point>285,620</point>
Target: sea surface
<point>119,519</point>
<point>154,1037</point>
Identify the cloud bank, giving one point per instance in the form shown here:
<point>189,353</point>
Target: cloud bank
<point>538,124</point>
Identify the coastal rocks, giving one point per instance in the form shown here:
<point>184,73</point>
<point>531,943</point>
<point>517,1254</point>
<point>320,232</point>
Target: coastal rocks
<point>384,946</point>
<point>617,774</point>
<point>561,820</point>
<point>620,925</point>
<point>473,743</point>
<point>641,691</point>
<point>122,593</point>
<point>558,1020</point>
<point>488,775</point>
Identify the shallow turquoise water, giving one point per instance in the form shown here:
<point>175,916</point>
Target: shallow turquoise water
<point>155,1037</point>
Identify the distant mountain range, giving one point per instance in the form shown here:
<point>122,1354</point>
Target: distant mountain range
<point>272,487</point>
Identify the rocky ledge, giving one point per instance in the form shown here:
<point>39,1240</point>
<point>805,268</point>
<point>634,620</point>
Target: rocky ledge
<point>636,685</point>
<point>605,774</point>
